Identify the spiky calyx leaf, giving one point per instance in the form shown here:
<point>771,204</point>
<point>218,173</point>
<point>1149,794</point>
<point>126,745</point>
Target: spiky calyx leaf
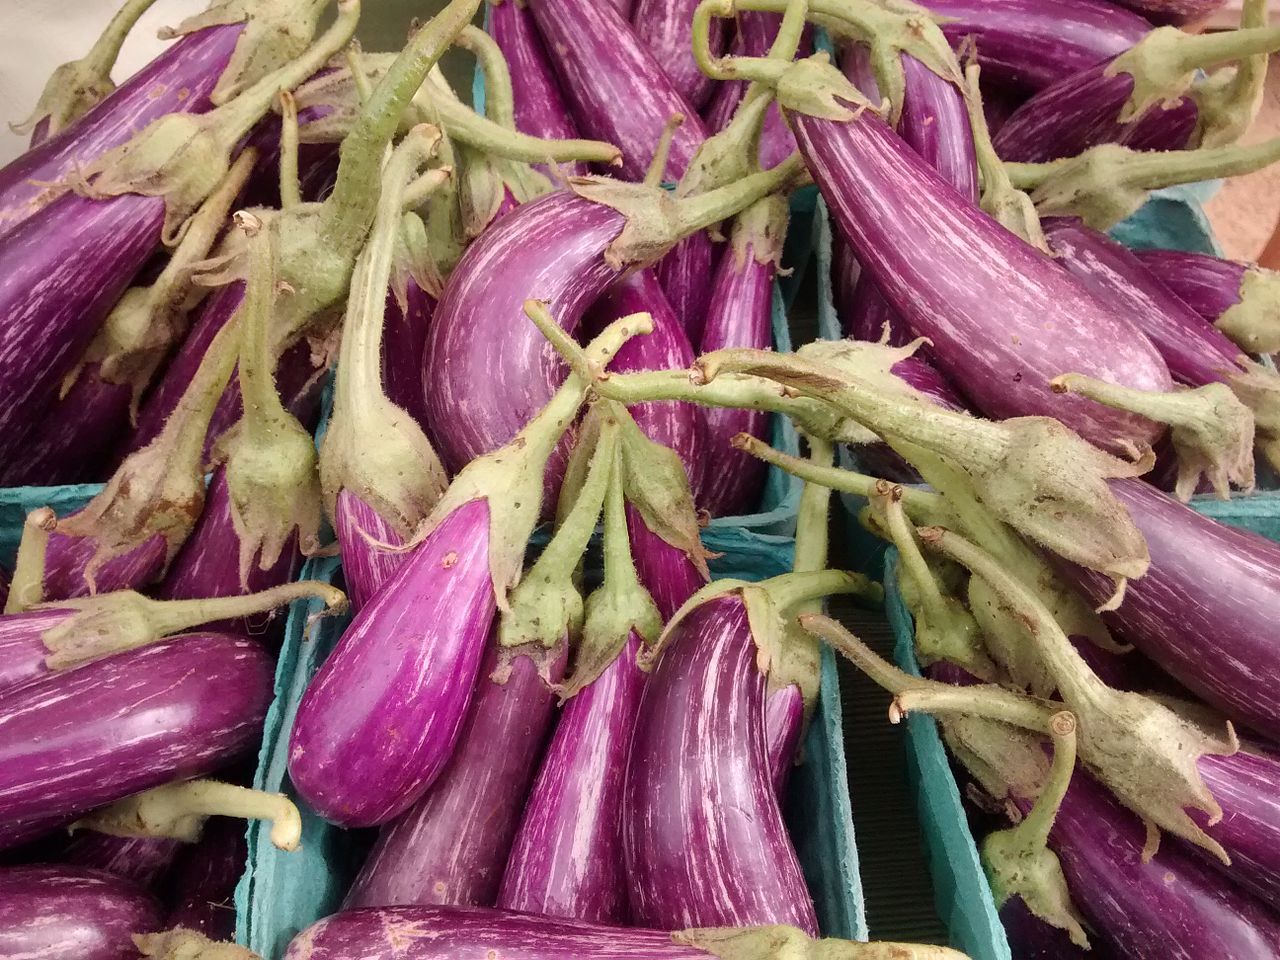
<point>1253,322</point>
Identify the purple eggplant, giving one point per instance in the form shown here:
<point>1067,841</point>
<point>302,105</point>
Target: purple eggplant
<point>704,838</point>
<point>22,651</point>
<point>450,848</point>
<point>368,542</point>
<point>1244,783</point>
<point>380,719</point>
<point>142,860</point>
<point>1033,43</point>
<point>1213,640</point>
<point>403,337</point>
<point>1031,938</point>
<point>180,708</point>
<point>69,559</point>
<point>1237,298</point>
<point>1004,319</point>
<point>665,570</point>
<point>741,315</point>
<point>204,880</point>
<point>665,27</point>
<point>71,913</point>
<point>1173,11</point>
<point>541,110</point>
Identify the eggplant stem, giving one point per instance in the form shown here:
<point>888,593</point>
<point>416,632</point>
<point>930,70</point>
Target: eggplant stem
<point>290,187</point>
<point>567,544</point>
<point>658,165</point>
<point>359,79</point>
<point>812,520</point>
<point>499,98</point>
<point>26,587</point>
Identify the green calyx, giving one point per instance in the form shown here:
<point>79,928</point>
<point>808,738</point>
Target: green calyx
<point>76,87</point>
<point>1212,431</point>
<point>1228,99</point>
<point>372,447</point>
<point>1258,387</point>
<point>183,157</point>
<point>182,944</point>
<point>111,623</point>
<point>1253,322</point>
<point>780,942</point>
<point>760,231</point>
<point>178,811</point>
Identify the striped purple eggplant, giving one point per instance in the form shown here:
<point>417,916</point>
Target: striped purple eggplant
<point>1240,299</point>
<point>380,719</point>
<point>567,860</point>
<point>1173,11</point>
<point>367,542</point>
<point>71,913</point>
<point>1003,318</point>
<point>541,110</point>
<point>450,848</point>
<point>1215,641</point>
<point>204,880</point>
<point>665,27</point>
<point>69,559</point>
<point>1244,783</point>
<point>703,834</point>
<point>404,335</point>
<point>665,570</point>
<point>177,709</point>
<point>142,860</point>
<point>741,315</point>
<point>1033,43</point>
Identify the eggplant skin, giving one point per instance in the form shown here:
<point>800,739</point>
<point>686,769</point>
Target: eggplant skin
<point>1209,285</point>
<point>181,708</point>
<point>454,933</point>
<point>72,913</point>
<point>140,860</point>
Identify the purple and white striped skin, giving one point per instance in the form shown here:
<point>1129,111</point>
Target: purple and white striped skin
<point>1004,319</point>
<point>1082,111</point>
<point>22,651</point>
<point>404,334</point>
<point>1173,11</point>
<point>65,269</point>
<point>71,913</point>
<point>783,724</point>
<point>664,570</point>
<point>1205,610</point>
<point>541,110</point>
<point>1209,285</point>
<point>177,81</point>
<point>683,274</point>
<point>451,847</point>
<point>1245,784</point>
<point>366,565</point>
<point>665,27</point>
<point>68,558</point>
<point>566,859</point>
<point>741,315</point>
<point>204,880</point>
<point>551,249</point>
<point>756,33</point>
<point>616,89</point>
<point>141,860</point>
<point>702,830</point>
<point>177,709</point>
<point>1033,43</point>
<point>1195,352</point>
<point>380,719</point>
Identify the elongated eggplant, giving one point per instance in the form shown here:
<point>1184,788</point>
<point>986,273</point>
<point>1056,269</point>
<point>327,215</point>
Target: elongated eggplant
<point>72,913</point>
<point>180,708</point>
<point>1244,783</point>
<point>204,880</point>
<point>370,554</point>
<point>665,27</point>
<point>1033,43</point>
<point>142,860</point>
<point>704,838</point>
<point>451,847</point>
<point>1173,11</point>
<point>403,338</point>
<point>379,721</point>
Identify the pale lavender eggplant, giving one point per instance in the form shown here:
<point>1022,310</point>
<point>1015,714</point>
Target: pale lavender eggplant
<point>1033,43</point>
<point>541,110</point>
<point>1204,611</point>
<point>1083,111</point>
<point>67,560</point>
<point>204,880</point>
<point>1209,285</point>
<point>665,27</point>
<point>366,566</point>
<point>615,87</point>
<point>141,860</point>
<point>566,859</point>
<point>1004,319</point>
<point>404,334</point>
<point>451,847</point>
<point>783,724</point>
<point>22,652</point>
<point>740,315</point>
<point>178,81</point>
<point>1245,784</point>
<point>702,830</point>
<point>486,369</point>
<point>756,33</point>
<point>65,267</point>
<point>1173,11</point>
<point>450,933</point>
<point>380,719</point>
<point>70,913</point>
<point>1194,352</point>
<point>181,708</point>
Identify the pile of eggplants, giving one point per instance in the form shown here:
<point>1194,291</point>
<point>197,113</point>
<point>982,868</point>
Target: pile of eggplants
<point>547,331</point>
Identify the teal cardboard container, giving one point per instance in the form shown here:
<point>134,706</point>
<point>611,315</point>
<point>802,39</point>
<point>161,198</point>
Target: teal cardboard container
<point>282,893</point>
<point>961,892</point>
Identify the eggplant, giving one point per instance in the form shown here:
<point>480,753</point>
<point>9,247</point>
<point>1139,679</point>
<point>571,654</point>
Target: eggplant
<point>447,933</point>
<point>450,848</point>
<point>403,337</point>
<point>1031,938</point>
<point>665,27</point>
<point>204,880</point>
<point>1244,783</point>
<point>380,719</point>
<point>1003,318</point>
<point>72,913</point>
<point>1031,44</point>
<point>703,834</point>
<point>1173,11</point>
<point>1237,298</point>
<point>141,860</point>
<point>369,548</point>
<point>180,708</point>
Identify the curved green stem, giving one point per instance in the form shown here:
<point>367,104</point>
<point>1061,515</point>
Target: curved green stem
<point>1035,827</point>
<point>174,616</point>
<point>290,188</point>
<point>499,99</point>
<point>565,549</point>
<point>1228,100</point>
<point>26,586</point>
<point>812,520</point>
<point>662,152</point>
<point>263,409</point>
<point>360,79</point>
